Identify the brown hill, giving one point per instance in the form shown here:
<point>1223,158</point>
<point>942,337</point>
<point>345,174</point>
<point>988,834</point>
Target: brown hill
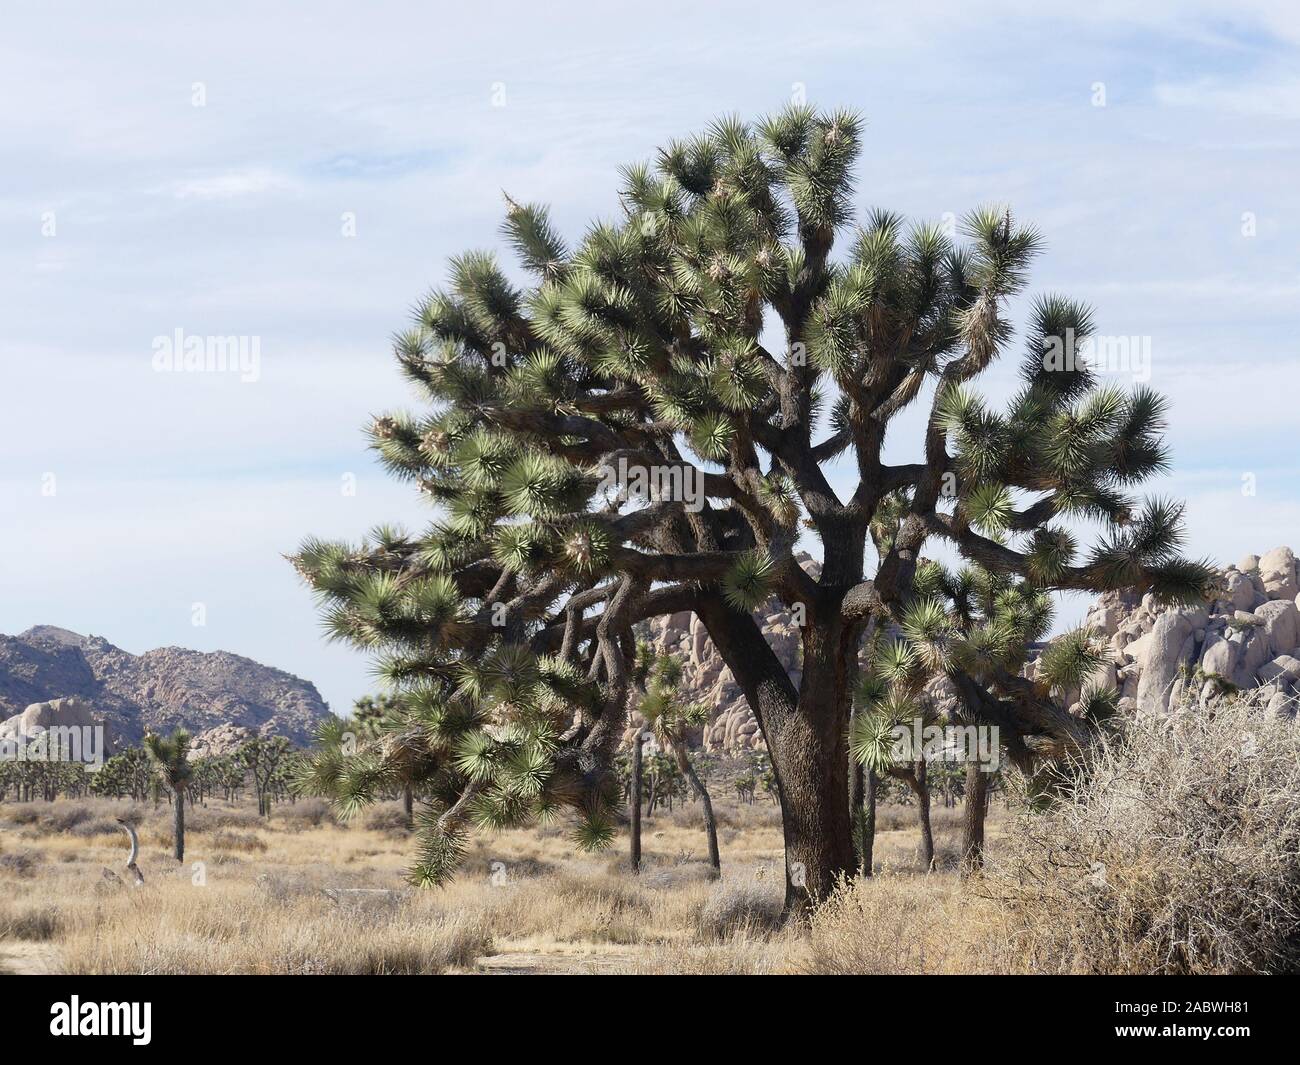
<point>160,690</point>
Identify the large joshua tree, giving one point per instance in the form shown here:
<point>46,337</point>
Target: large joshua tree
<point>715,345</point>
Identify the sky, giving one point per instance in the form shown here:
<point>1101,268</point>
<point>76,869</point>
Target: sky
<point>299,176</point>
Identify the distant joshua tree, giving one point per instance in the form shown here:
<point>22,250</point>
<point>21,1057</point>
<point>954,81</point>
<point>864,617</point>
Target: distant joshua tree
<point>171,760</point>
<point>673,720</point>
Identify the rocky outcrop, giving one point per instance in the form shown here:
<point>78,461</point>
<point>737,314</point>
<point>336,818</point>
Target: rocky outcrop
<point>1247,637</point>
<point>67,713</point>
<point>222,740</point>
<point>158,691</point>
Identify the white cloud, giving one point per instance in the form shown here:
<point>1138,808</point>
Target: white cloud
<point>229,185</point>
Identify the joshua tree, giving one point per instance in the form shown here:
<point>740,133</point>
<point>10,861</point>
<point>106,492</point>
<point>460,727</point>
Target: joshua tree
<point>171,761</point>
<point>129,773</point>
<point>646,428</point>
<point>673,721</point>
<point>264,758</point>
<point>374,716</point>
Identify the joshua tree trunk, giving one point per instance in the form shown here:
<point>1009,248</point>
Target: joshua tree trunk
<point>408,804</point>
<point>178,824</point>
<point>807,737</point>
<point>977,806</point>
<point>636,801</point>
<point>864,808</point>
<point>922,789</point>
<point>710,822</point>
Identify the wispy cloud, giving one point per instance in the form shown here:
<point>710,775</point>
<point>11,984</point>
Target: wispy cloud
<point>228,185</point>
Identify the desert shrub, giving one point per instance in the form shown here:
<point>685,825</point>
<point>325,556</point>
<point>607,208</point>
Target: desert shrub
<point>1175,853</point>
<point>742,955</point>
<point>572,907</point>
<point>25,813</point>
<point>306,813</point>
<point>36,923</point>
<point>747,905</point>
<point>97,826</point>
<point>21,862</point>
<point>388,818</point>
<point>924,925</point>
<point>64,817</point>
<point>227,840</point>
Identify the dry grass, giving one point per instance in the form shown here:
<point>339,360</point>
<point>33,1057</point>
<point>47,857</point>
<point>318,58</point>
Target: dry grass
<point>529,901</point>
<point>255,901</point>
<point>1177,854</point>
<point>910,925</point>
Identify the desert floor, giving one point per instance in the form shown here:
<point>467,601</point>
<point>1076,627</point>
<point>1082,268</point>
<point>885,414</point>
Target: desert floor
<point>301,894</point>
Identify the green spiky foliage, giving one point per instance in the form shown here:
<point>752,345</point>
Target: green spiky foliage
<point>170,756</point>
<point>699,336</point>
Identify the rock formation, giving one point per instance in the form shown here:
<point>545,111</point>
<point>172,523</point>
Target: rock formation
<point>1247,637</point>
<point>158,691</point>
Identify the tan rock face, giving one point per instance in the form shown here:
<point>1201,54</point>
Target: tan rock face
<point>1249,635</point>
<point>215,742</point>
<point>158,691</point>
<point>56,713</point>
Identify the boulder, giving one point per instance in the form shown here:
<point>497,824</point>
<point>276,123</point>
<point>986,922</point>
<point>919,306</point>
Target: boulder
<point>1253,654</point>
<point>1283,671</point>
<point>1170,638</point>
<point>1277,573</point>
<point>1240,591</point>
<point>1219,656</point>
<point>1281,624</point>
<point>71,712</point>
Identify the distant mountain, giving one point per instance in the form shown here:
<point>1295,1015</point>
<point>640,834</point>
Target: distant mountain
<point>158,691</point>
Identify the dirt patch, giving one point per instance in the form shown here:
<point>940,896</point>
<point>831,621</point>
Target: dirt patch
<point>28,959</point>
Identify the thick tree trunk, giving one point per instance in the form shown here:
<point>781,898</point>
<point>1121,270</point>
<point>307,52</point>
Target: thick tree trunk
<point>807,738</point>
<point>408,805</point>
<point>636,801</point>
<point>977,806</point>
<point>178,825</point>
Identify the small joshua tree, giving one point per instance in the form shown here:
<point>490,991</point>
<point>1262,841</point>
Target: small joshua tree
<point>171,760</point>
<point>673,720</point>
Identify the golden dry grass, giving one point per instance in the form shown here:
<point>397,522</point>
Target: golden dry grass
<point>252,898</point>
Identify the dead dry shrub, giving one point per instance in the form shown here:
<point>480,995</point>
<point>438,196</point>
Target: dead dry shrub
<point>745,905</point>
<point>387,817</point>
<point>1178,851</point>
<point>21,862</point>
<point>228,840</point>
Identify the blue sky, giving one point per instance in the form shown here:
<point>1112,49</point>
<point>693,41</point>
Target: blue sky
<point>127,212</point>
